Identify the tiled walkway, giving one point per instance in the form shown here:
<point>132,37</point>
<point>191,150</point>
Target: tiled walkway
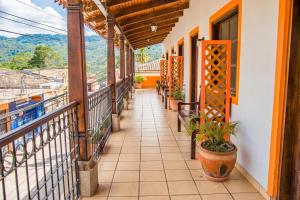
<point>149,159</point>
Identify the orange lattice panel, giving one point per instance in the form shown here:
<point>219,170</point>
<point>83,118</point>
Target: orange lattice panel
<point>215,79</point>
<point>163,72</point>
<point>175,73</point>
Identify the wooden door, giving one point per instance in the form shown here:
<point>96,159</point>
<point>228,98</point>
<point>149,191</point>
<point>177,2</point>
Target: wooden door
<point>194,66</point>
<point>290,168</point>
<point>180,50</point>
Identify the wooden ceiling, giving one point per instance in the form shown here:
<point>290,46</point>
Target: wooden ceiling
<point>134,18</point>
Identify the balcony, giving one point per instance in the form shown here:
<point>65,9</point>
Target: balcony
<point>122,143</point>
<point>149,159</point>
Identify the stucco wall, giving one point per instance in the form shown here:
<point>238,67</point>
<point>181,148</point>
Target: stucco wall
<point>257,72</point>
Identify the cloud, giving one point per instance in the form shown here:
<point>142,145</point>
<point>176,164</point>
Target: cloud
<point>30,11</point>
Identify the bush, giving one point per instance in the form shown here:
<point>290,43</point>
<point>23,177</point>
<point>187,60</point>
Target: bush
<point>139,79</point>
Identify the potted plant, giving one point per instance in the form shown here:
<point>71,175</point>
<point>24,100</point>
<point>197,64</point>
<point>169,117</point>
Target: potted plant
<point>176,96</point>
<point>216,154</point>
<point>138,81</point>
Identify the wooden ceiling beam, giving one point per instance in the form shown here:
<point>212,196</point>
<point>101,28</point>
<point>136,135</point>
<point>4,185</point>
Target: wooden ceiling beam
<point>143,30</point>
<point>100,25</point>
<point>147,26</point>
<point>146,38</point>
<point>148,41</point>
<point>147,44</point>
<point>159,24</point>
<point>148,33</point>
<point>110,3</point>
<point>156,20</point>
<point>143,17</point>
<point>141,7</point>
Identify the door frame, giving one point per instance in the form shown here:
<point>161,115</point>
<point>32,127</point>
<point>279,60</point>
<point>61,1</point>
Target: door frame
<point>216,17</point>
<point>193,33</point>
<point>280,91</point>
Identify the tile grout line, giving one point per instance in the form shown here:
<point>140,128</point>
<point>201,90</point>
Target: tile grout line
<point>185,161</point>
<point>162,158</point>
<point>108,195</point>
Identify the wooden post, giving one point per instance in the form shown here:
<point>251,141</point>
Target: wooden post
<point>133,64</point>
<point>111,69</point>
<point>122,58</point>
<point>77,73</point>
<point>127,60</point>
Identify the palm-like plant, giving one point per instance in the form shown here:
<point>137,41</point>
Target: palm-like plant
<point>212,133</point>
<point>142,56</point>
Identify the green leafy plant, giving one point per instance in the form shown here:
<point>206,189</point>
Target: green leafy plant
<point>139,79</point>
<point>142,55</point>
<point>177,94</point>
<point>212,133</point>
<point>95,136</point>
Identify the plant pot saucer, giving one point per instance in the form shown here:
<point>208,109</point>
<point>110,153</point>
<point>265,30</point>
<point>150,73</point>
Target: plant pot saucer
<point>215,179</point>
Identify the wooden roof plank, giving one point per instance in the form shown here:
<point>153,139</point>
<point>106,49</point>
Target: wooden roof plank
<point>147,26</point>
<point>149,37</point>
<point>156,20</point>
<point>116,2</point>
<point>141,7</point>
<point>159,24</point>
<point>147,41</point>
<point>147,44</point>
<point>143,30</point>
<point>143,17</point>
<point>148,33</point>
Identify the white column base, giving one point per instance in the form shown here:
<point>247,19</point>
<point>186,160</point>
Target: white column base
<point>115,122</point>
<point>88,175</point>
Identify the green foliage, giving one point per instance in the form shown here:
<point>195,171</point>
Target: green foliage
<point>139,79</point>
<point>96,48</point>
<point>18,62</point>
<point>213,132</point>
<point>142,56</point>
<point>44,56</point>
<point>177,94</point>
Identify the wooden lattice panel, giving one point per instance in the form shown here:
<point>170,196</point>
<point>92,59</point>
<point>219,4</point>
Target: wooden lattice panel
<point>163,72</point>
<point>215,79</point>
<point>175,73</point>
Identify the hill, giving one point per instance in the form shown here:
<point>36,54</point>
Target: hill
<point>95,49</point>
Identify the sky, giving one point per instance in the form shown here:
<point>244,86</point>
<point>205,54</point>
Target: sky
<point>43,11</point>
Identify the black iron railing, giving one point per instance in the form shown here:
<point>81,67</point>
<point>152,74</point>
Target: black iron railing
<point>100,110</point>
<point>40,159</point>
<point>21,116</point>
<point>120,90</point>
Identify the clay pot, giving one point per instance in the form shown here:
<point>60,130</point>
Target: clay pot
<point>217,166</point>
<point>174,104</point>
<point>138,85</point>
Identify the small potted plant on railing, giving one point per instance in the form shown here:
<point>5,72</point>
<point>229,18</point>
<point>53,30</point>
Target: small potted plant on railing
<point>138,81</point>
<point>176,96</point>
<point>216,154</point>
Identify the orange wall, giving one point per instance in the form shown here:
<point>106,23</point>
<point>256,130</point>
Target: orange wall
<point>150,81</point>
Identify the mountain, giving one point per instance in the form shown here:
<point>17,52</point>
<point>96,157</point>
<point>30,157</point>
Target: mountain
<point>95,49</point>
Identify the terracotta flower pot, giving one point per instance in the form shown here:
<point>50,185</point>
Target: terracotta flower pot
<point>217,166</point>
<point>138,85</point>
<point>174,104</point>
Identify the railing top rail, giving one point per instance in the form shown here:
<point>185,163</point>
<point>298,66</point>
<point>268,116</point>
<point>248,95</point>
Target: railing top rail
<point>5,115</point>
<point>102,90</point>
<point>18,132</point>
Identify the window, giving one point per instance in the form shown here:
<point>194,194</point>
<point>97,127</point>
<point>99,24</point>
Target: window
<point>227,29</point>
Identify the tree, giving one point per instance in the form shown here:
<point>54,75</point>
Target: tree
<point>45,56</point>
<point>18,61</point>
<point>142,56</point>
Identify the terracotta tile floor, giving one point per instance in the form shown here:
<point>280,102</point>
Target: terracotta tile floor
<point>148,159</point>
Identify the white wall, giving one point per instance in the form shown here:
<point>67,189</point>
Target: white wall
<point>257,72</point>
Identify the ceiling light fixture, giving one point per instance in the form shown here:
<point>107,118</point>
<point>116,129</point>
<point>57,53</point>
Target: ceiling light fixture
<point>153,27</point>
